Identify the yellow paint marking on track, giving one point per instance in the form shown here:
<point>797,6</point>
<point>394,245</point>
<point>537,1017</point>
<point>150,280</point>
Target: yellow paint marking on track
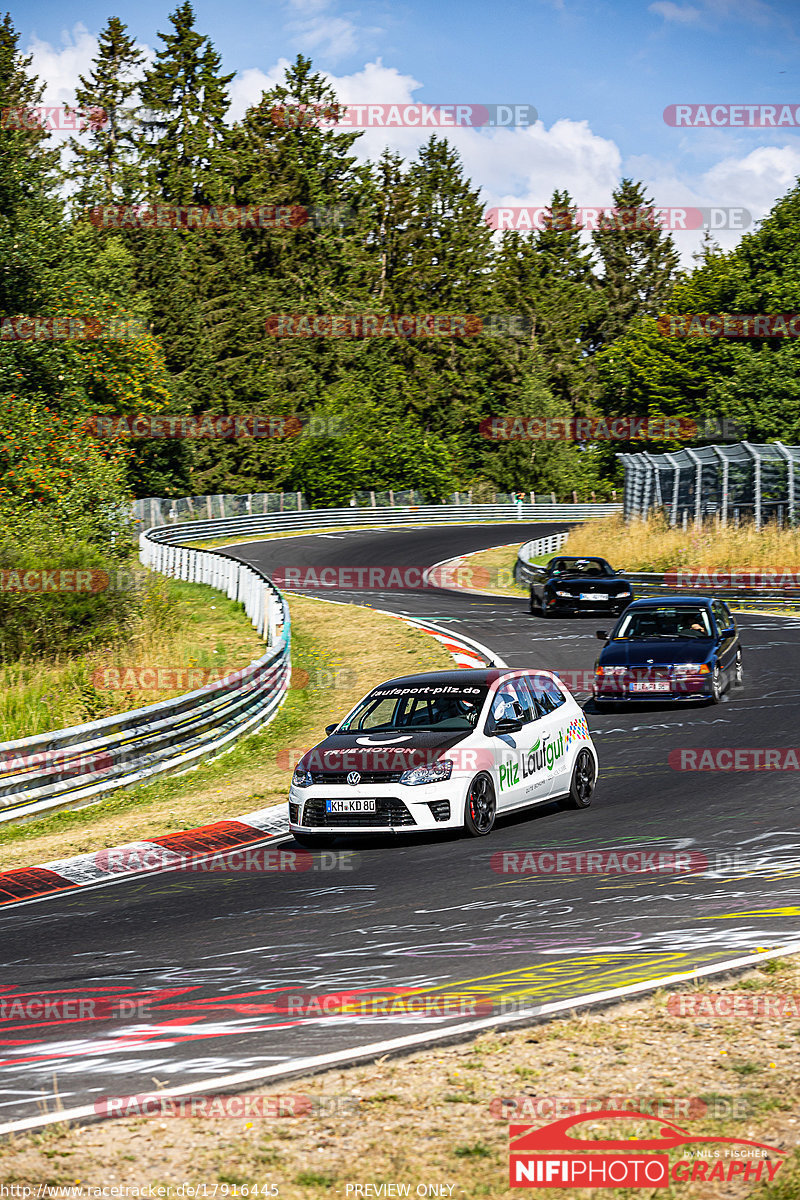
<point>546,979</point>
<point>789,911</point>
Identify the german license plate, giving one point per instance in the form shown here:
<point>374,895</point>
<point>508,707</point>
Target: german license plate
<point>593,596</point>
<point>350,805</point>
<point>650,685</point>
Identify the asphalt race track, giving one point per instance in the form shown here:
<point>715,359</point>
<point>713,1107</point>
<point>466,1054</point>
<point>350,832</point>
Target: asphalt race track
<point>214,955</point>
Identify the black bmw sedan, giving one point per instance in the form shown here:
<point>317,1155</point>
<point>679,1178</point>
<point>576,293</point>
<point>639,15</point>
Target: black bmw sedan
<point>684,648</point>
<point>570,585</point>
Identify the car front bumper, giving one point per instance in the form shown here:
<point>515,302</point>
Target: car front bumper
<point>399,808</point>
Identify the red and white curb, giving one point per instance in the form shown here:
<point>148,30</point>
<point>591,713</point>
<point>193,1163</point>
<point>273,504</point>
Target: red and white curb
<point>190,847</point>
<point>450,574</point>
<point>465,652</point>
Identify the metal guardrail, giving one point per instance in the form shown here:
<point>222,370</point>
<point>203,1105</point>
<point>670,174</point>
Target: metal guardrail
<point>654,583</point>
<point>378,518</point>
<point>72,767</point>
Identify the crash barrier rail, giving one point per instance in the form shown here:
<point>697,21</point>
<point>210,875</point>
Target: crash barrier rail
<point>153,510</point>
<point>73,767</point>
<point>431,514</point>
<point>677,583</point>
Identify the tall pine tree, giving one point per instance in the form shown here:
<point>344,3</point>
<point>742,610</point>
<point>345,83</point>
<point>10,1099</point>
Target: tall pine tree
<point>104,169</point>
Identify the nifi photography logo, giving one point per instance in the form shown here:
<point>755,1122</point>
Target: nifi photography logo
<point>552,1156</point>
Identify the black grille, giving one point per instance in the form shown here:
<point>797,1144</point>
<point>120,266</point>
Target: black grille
<point>328,777</point>
<point>440,809</point>
<point>388,811</point>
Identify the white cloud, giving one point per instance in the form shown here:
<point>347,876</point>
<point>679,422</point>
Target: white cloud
<point>319,29</point>
<point>683,14</point>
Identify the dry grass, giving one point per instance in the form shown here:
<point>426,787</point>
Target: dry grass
<point>652,546</point>
<point>326,637</point>
<point>427,1118</point>
<point>182,626</point>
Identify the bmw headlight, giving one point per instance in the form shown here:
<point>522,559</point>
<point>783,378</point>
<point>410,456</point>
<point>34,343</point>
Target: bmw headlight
<point>435,773</point>
<point>612,671</point>
<point>301,777</point>
<point>691,669</point>
<point>567,595</point>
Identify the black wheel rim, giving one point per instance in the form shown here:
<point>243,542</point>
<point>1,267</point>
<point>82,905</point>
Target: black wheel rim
<point>481,805</point>
<point>584,775</point>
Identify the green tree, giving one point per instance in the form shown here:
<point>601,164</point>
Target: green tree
<point>187,98</point>
<point>638,260</point>
<point>104,168</point>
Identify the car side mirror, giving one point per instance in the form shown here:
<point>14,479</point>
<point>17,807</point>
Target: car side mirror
<point>507,725</point>
<point>330,728</point>
<point>601,633</point>
<point>729,632</point>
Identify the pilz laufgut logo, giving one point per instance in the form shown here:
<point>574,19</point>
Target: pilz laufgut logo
<point>541,757</point>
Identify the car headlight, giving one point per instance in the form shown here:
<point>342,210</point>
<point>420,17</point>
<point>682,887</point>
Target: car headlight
<point>691,669</point>
<point>301,778</point>
<point>626,591</point>
<point>435,773</point>
<point>611,671</point>
<point>566,594</point>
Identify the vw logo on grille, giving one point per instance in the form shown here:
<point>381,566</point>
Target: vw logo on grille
<point>353,778</point>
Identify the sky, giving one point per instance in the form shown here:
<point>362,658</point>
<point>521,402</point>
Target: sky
<point>599,76</point>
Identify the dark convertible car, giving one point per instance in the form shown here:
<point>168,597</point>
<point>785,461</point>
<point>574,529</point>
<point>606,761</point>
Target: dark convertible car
<point>569,585</point>
<point>685,648</point>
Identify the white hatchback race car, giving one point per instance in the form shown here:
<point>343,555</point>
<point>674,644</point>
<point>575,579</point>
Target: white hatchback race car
<point>444,750</point>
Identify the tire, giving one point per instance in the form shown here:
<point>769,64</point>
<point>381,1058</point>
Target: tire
<point>584,777</point>
<point>717,685</point>
<point>314,841</point>
<point>738,670</point>
<point>532,603</point>
<point>480,807</point>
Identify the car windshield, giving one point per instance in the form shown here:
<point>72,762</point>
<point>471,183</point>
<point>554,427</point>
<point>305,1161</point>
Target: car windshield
<point>644,624</point>
<point>597,567</point>
<point>417,706</point>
